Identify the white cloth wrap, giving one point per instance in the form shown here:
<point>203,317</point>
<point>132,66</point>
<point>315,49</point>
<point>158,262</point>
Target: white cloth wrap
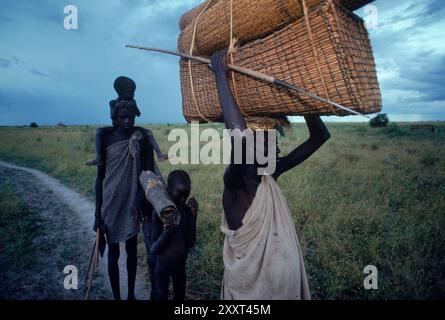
<point>263,259</point>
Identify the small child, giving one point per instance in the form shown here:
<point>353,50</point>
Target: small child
<point>168,245</point>
<point>125,88</point>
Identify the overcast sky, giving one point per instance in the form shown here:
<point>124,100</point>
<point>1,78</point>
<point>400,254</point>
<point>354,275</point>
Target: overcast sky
<point>50,75</point>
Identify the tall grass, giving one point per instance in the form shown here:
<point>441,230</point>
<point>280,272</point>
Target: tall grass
<point>18,228</point>
<point>368,197</point>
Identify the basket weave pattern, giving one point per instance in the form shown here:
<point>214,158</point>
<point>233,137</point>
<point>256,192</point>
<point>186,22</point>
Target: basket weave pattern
<point>344,55</point>
<point>251,20</point>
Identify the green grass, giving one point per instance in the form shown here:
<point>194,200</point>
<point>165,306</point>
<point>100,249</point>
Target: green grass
<point>18,228</point>
<point>369,196</point>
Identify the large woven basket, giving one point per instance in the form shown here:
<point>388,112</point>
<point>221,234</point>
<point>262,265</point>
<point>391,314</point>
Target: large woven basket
<point>251,19</point>
<point>340,47</point>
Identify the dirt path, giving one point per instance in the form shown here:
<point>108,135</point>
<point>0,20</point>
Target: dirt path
<point>68,238</point>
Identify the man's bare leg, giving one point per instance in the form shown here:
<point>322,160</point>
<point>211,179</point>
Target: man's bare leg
<point>113,269</point>
<point>132,261</point>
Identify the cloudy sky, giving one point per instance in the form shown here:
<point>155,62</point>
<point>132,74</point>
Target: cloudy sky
<point>50,75</point>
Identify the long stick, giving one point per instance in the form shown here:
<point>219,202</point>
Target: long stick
<point>253,74</point>
<point>94,261</point>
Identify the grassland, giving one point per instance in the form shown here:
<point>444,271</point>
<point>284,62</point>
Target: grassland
<point>368,197</point>
<point>18,227</point>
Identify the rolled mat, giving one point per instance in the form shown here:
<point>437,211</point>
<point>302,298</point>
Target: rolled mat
<point>159,198</point>
<point>243,20</point>
<point>327,53</point>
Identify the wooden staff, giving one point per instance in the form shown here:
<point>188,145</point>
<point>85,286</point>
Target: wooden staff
<point>94,262</point>
<point>254,74</point>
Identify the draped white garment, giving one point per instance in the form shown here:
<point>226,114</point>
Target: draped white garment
<point>263,259</point>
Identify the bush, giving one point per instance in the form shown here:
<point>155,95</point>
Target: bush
<point>394,131</point>
<point>33,125</point>
<point>379,121</point>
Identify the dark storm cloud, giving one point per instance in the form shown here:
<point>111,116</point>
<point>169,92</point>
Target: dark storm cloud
<point>161,27</point>
<point>421,13</point>
<point>431,12</point>
<point>49,74</point>
<point>427,77</point>
<point>410,53</point>
<point>45,11</point>
<point>37,72</point>
<point>4,63</point>
<point>41,54</point>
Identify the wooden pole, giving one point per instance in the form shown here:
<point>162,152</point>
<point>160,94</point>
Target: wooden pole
<point>254,74</point>
<point>94,261</point>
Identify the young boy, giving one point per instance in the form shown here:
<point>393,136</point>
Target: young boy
<point>168,244</point>
<point>125,88</point>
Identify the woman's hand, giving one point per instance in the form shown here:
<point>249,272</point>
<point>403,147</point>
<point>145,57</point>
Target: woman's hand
<point>219,64</point>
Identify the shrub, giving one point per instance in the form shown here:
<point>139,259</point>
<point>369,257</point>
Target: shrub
<point>394,131</point>
<point>33,125</point>
<point>379,121</point>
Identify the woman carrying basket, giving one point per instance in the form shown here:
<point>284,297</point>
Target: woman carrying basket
<point>262,255</point>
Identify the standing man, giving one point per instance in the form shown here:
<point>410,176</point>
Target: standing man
<point>119,197</point>
<point>262,255</point>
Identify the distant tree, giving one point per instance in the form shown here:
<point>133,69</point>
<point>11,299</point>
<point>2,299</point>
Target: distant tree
<point>33,125</point>
<point>379,121</point>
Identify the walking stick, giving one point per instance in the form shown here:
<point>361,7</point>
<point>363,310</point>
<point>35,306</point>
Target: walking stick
<point>94,261</point>
<point>254,74</point>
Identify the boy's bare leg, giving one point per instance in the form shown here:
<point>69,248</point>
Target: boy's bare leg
<point>161,281</point>
<point>179,282</point>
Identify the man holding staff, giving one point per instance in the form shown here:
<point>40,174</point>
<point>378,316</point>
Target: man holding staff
<point>262,255</point>
<point>119,198</point>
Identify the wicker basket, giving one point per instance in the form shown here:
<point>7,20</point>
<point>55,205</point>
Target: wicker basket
<point>252,19</point>
<point>342,50</point>
<point>355,4</point>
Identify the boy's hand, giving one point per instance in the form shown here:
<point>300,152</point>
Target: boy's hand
<point>193,204</point>
<point>137,215</point>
